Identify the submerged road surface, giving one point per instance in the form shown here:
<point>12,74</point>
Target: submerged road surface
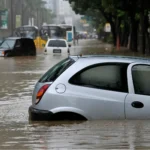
<point>18,76</point>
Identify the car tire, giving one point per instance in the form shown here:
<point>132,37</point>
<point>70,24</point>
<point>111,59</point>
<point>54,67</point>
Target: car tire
<point>67,116</point>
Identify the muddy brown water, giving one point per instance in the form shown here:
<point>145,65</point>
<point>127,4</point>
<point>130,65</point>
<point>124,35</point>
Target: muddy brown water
<point>18,76</point>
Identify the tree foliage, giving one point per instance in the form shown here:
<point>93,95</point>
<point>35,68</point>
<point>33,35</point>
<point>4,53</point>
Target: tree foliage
<point>127,19</point>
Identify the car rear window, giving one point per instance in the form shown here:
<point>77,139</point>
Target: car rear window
<point>52,74</point>
<point>57,43</point>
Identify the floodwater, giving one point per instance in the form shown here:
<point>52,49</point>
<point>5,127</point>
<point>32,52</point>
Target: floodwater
<point>18,76</point>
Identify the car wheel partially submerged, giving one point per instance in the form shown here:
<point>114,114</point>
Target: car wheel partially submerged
<point>67,116</point>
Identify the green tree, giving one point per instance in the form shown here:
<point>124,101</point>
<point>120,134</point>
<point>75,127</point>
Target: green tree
<point>127,17</point>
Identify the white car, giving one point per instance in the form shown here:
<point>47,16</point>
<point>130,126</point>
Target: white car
<point>57,46</point>
<point>92,88</point>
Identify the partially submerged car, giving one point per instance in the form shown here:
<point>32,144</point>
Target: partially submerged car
<point>92,88</point>
<point>57,46</point>
<point>16,46</point>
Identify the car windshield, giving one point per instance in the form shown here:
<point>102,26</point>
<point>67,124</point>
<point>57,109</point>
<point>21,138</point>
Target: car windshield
<point>57,70</point>
<point>1,42</point>
<point>8,44</point>
<point>57,43</point>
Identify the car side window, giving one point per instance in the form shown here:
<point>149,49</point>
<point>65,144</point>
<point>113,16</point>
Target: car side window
<point>111,77</point>
<point>141,79</point>
<point>18,43</point>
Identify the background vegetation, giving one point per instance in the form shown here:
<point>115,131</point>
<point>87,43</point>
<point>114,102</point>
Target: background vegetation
<point>129,20</point>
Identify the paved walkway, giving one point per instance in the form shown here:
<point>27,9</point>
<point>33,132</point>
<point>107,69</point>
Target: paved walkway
<point>96,47</point>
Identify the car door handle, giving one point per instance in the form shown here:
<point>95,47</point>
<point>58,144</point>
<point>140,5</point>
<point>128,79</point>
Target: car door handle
<point>137,104</point>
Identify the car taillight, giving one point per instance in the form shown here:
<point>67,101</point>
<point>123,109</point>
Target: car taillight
<point>41,92</point>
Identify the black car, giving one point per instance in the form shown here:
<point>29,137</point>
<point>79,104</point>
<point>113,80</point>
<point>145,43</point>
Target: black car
<point>16,46</point>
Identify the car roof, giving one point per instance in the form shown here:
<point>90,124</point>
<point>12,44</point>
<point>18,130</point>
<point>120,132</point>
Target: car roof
<point>57,40</point>
<point>17,38</point>
<point>13,38</point>
<point>49,25</point>
<point>30,26</point>
<point>111,58</point>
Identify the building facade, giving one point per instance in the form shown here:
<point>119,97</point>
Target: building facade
<point>5,16</point>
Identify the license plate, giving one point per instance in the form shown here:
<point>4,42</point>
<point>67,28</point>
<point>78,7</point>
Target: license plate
<point>56,50</point>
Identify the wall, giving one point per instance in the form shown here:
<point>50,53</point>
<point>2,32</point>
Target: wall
<point>6,4</point>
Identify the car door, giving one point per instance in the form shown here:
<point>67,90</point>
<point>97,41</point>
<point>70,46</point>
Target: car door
<point>100,91</point>
<point>18,48</point>
<point>137,103</point>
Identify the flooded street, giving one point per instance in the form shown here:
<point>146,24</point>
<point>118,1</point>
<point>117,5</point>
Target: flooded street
<point>18,76</point>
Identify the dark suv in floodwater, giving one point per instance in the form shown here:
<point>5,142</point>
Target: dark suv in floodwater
<point>16,46</point>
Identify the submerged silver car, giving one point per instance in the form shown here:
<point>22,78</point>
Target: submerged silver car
<point>92,88</point>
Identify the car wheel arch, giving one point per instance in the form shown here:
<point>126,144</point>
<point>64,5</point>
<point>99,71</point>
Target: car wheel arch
<point>70,110</point>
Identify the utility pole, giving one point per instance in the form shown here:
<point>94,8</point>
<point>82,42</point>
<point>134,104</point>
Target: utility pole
<point>22,12</point>
<point>12,16</point>
<point>142,22</point>
<point>37,17</point>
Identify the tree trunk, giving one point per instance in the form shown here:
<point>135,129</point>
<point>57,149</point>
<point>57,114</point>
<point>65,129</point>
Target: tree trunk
<point>109,18</point>
<point>134,27</point>
<point>125,35</point>
<point>142,24</point>
<point>147,32</point>
<point>148,41</point>
<point>134,35</point>
<point>113,29</point>
<point>118,31</point>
